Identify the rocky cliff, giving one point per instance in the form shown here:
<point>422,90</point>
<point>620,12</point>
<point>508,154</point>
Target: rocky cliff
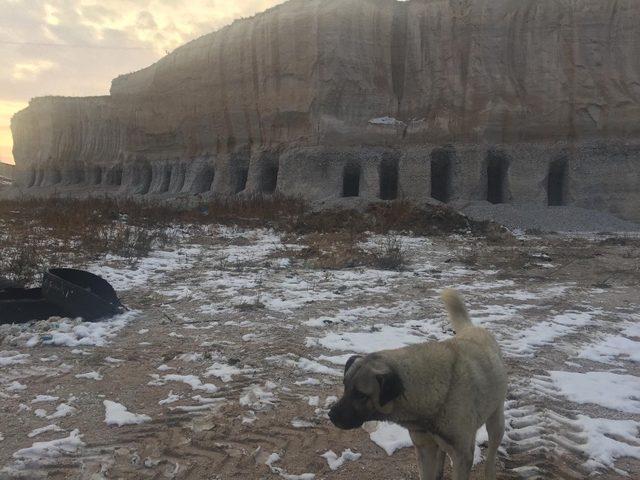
<point>362,73</point>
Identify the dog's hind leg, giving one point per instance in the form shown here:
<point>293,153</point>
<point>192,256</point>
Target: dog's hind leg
<point>430,456</point>
<point>495,429</point>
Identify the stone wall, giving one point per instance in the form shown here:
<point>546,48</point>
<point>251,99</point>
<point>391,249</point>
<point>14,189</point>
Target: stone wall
<point>488,92</point>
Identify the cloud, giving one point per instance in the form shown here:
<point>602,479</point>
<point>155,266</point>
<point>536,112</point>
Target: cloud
<point>76,47</point>
<point>31,70</point>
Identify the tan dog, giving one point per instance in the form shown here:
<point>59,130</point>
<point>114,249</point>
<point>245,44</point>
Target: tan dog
<point>442,392</point>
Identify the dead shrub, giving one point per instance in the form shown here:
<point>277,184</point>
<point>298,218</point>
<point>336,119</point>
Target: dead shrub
<point>469,257</point>
<point>498,235</point>
<point>126,241</point>
<point>389,255</point>
<point>24,265</point>
<point>332,251</point>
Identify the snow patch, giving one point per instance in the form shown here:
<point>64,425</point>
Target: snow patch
<point>15,386</point>
<point>171,398</point>
<point>388,436</point>
<point>609,390</point>
<point>44,398</point>
<point>305,364</point>
<point>74,333</point>
<point>48,428</point>
<point>62,410</point>
<point>336,462</point>
<point>612,349</point>
<point>273,458</point>
<point>193,381</point>
<point>90,376</point>
<point>299,423</point>
<point>224,371</point>
<point>605,441</point>
<point>54,448</point>
<point>384,337</point>
<point>13,358</point>
<point>526,342</point>
<point>386,121</point>
<point>257,397</point>
<point>117,414</point>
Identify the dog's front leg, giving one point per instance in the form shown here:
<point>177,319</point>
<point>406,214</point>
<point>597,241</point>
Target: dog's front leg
<point>462,463</point>
<point>430,456</point>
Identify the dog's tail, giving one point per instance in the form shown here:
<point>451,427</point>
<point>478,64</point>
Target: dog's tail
<point>458,315</point>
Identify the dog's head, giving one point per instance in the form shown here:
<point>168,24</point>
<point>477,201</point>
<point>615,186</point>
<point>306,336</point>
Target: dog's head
<point>370,387</point>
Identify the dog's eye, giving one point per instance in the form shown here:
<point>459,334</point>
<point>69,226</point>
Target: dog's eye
<point>359,395</point>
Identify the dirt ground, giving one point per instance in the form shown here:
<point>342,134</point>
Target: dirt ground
<point>252,331</point>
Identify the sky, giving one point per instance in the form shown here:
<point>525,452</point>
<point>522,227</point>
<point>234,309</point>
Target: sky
<point>76,47</point>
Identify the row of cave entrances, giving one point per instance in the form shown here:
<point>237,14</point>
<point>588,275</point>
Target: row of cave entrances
<point>442,161</point>
<point>173,178</point>
<point>497,168</point>
<point>53,176</point>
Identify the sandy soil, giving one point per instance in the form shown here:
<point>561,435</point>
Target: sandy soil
<point>242,303</point>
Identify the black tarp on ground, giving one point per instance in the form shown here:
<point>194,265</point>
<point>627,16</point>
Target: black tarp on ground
<point>64,293</point>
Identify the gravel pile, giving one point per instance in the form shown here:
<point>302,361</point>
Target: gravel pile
<point>549,219</point>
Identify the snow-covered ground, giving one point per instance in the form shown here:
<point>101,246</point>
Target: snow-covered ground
<point>233,350</point>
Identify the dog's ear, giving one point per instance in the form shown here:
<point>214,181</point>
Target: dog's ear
<point>350,362</point>
<point>391,387</point>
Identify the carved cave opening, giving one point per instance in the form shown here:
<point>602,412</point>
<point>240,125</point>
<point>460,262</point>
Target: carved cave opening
<point>557,183</point>
<point>97,175</point>
<point>114,177</point>
<point>388,179</point>
<point>441,175</point>
<point>78,176</point>
<point>242,174</point>
<point>205,180</point>
<point>351,181</point>
<point>145,174</point>
<point>178,174</point>
<point>269,179</point>
<point>497,169</point>
<point>165,181</point>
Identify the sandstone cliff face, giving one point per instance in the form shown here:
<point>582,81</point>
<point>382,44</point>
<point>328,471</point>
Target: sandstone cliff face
<point>252,83</point>
<point>495,74</point>
<point>314,71</point>
<point>512,70</point>
<point>67,130</point>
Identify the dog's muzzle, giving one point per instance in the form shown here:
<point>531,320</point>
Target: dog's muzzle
<point>344,418</point>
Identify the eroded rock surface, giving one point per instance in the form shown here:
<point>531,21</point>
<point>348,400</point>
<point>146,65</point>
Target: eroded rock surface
<point>487,89</point>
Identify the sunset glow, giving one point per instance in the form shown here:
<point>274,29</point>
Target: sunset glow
<point>76,47</point>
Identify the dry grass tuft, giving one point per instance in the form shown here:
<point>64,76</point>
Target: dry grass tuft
<point>332,251</point>
<point>390,254</point>
<point>23,265</point>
